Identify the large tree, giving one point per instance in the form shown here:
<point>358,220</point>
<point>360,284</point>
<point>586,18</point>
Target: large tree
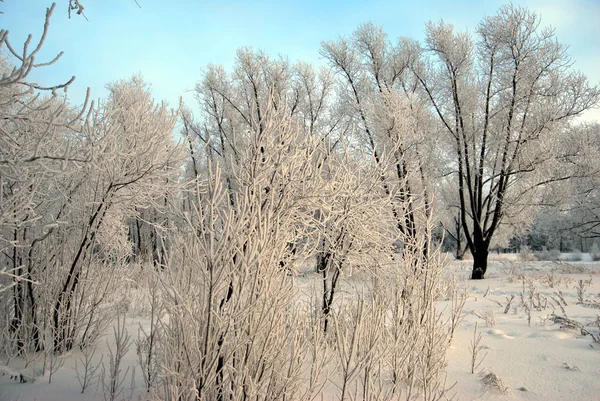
<point>377,92</point>
<point>502,99</point>
<point>577,203</point>
<point>133,160</point>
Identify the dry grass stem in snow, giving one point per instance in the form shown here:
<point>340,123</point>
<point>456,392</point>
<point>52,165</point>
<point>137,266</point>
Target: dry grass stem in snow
<point>475,349</point>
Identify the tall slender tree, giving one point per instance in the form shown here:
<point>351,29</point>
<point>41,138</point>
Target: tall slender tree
<point>502,100</point>
<point>377,91</point>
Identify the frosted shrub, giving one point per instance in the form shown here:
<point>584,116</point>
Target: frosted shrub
<point>551,255</point>
<point>525,255</point>
<point>595,252</point>
<point>235,326</point>
<point>575,256</point>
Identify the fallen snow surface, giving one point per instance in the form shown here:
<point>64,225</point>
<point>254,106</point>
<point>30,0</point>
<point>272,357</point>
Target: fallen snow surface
<point>534,357</point>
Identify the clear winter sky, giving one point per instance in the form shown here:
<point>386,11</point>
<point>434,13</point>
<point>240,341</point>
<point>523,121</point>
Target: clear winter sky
<point>169,42</point>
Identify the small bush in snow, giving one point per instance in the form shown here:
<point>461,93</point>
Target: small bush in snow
<point>551,255</point>
<point>581,288</point>
<point>595,252</point>
<point>492,380</point>
<point>575,256</point>
<point>525,255</point>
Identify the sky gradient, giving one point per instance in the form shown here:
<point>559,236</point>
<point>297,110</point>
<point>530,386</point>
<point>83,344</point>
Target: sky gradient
<point>170,42</point>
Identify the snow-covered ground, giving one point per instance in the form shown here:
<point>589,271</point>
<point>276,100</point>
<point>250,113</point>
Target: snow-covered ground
<point>533,356</point>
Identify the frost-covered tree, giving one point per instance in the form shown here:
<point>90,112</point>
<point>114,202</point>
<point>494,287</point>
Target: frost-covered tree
<point>377,93</point>
<point>235,104</point>
<point>33,144</point>
<point>233,320</point>
<point>238,323</point>
<point>573,209</point>
<point>41,144</point>
<point>133,160</point>
<point>502,99</point>
<point>278,179</point>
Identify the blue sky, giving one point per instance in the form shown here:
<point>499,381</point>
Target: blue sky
<point>169,42</point>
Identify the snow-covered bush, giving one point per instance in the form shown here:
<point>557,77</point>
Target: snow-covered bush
<point>548,255</point>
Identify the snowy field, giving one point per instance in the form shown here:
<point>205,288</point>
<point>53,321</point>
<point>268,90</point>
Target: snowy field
<point>534,357</point>
<point>522,350</point>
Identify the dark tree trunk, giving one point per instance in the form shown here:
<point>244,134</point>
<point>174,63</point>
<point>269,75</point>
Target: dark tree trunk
<point>460,249</point>
<point>480,259</point>
<point>220,376</point>
<point>322,264</point>
<point>17,320</point>
<point>62,315</point>
<point>135,239</point>
<point>329,278</point>
<point>35,334</point>
<point>158,251</point>
<point>18,295</point>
